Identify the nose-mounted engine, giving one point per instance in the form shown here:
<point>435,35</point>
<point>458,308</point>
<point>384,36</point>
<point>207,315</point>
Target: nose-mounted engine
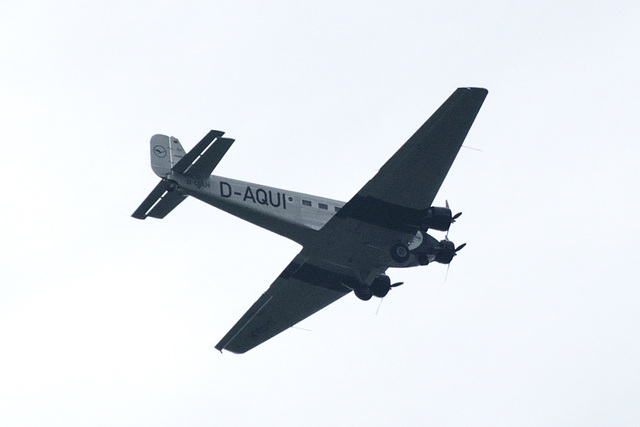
<point>446,251</point>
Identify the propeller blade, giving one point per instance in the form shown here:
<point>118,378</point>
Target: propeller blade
<point>395,285</point>
<point>454,217</point>
<point>379,305</point>
<point>455,252</point>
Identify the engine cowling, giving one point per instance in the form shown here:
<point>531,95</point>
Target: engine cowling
<point>445,252</point>
<point>437,219</point>
<point>381,286</point>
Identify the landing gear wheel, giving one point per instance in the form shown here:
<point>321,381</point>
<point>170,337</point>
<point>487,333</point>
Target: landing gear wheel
<point>364,293</point>
<point>400,253</point>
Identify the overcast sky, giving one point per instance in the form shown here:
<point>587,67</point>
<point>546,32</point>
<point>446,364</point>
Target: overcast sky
<point>106,320</point>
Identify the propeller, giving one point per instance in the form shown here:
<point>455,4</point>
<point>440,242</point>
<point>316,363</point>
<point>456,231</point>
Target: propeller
<point>453,218</point>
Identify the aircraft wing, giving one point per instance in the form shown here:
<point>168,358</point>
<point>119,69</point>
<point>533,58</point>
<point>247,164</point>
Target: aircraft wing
<point>391,205</point>
<point>413,175</point>
<point>302,289</point>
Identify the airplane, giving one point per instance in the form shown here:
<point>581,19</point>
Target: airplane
<point>345,246</point>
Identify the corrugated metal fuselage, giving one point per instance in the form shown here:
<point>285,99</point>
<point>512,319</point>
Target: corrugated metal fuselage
<point>296,216</point>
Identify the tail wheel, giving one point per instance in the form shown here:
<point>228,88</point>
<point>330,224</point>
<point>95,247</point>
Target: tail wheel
<point>400,253</point>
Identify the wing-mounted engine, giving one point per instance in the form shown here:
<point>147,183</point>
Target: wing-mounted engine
<point>380,287</point>
<point>437,218</point>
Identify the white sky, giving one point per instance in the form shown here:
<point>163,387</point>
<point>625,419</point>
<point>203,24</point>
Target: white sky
<point>106,320</point>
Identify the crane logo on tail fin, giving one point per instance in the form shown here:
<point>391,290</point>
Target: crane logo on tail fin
<point>160,151</point>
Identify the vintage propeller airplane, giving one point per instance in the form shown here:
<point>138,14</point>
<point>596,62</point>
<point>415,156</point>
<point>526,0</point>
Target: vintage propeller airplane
<point>345,246</point>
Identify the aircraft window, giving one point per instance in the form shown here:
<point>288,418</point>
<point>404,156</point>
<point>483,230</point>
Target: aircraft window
<point>323,206</point>
<point>337,209</point>
<point>306,203</point>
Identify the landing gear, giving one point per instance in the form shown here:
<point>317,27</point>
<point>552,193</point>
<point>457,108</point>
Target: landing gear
<point>400,253</point>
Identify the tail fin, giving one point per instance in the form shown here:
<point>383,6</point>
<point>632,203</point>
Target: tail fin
<point>165,153</point>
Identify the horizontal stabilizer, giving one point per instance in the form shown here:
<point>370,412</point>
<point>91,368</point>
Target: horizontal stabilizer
<point>159,202</point>
<point>205,156</point>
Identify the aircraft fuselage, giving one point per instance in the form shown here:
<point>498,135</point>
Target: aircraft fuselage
<point>294,215</point>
